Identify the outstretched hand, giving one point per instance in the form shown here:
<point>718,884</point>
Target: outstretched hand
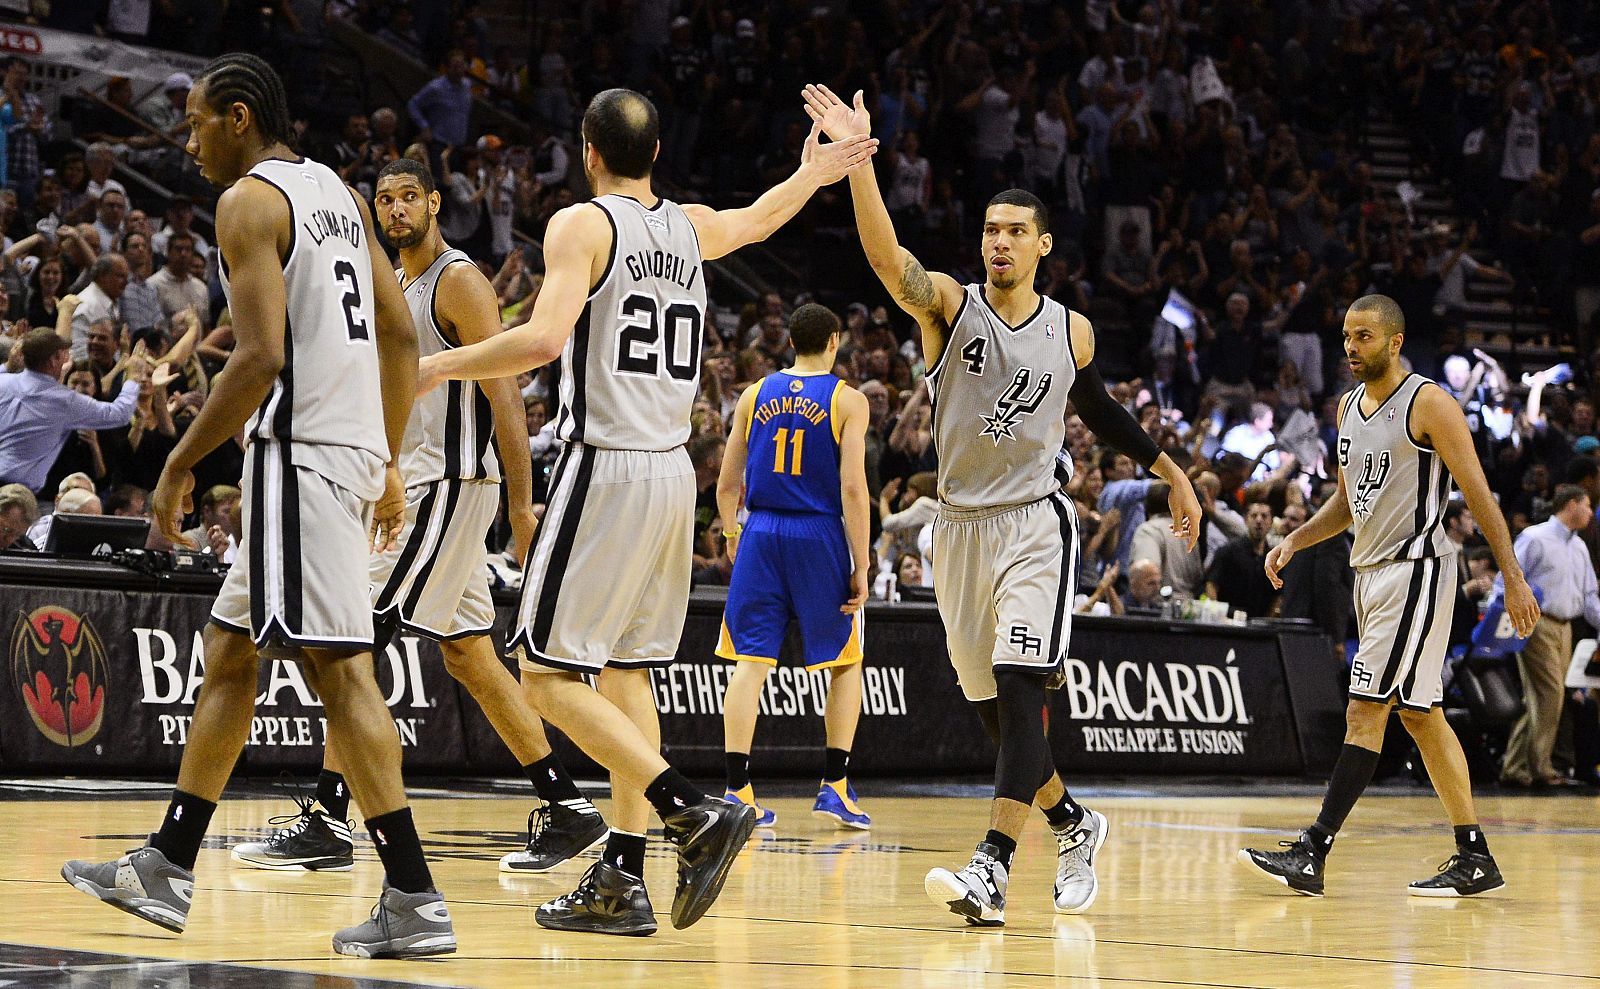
<point>833,161</point>
<point>839,120</point>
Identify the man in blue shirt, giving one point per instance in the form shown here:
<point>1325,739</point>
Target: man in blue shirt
<point>1557,562</point>
<point>38,412</point>
<point>442,107</point>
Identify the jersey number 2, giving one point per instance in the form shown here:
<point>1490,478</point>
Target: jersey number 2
<point>642,324</point>
<point>797,443</point>
<point>355,321</point>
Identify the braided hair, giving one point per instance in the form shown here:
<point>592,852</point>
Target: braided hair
<point>239,77</point>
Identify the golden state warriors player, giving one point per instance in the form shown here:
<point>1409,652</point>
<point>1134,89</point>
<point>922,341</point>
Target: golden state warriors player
<point>798,450</point>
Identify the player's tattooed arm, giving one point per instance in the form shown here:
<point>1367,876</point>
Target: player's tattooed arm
<point>916,288</point>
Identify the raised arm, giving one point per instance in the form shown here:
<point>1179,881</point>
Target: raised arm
<point>730,483</point>
<point>253,230</point>
<point>853,417</point>
<point>466,306</point>
<point>722,232</point>
<point>1437,420</point>
<point>930,298</point>
<point>577,244</point>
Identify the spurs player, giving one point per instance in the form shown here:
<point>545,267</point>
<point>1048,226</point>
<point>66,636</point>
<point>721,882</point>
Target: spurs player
<point>324,371</point>
<point>606,586</point>
<point>1003,363</point>
<point>432,582</point>
<point>1402,439</point>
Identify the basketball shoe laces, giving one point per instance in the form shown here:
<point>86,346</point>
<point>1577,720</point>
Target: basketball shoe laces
<point>538,827</point>
<point>290,825</point>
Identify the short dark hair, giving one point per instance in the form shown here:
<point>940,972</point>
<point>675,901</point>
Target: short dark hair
<point>123,496</point>
<point>810,326</point>
<point>178,235</point>
<point>409,166</point>
<point>1108,458</point>
<point>1565,495</point>
<point>1155,500</point>
<point>39,346</point>
<point>1022,197</point>
<point>1483,553</point>
<point>1388,312</point>
<point>1582,467</point>
<point>239,77</point>
<point>623,126</point>
<point>1453,510</point>
<point>701,448</point>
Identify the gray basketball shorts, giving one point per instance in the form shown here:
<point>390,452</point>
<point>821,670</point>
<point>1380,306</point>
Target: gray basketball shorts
<point>1005,583</point>
<point>299,579</point>
<point>1403,615</point>
<point>434,582</point>
<point>607,580</point>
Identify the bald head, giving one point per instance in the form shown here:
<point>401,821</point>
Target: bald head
<point>622,126</point>
<point>1381,312</point>
<point>1144,581</point>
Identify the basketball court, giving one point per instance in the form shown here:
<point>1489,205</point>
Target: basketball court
<point>808,906</point>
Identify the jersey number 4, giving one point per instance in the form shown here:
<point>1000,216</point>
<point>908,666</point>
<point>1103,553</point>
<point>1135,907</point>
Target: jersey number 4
<point>976,353</point>
<point>355,320</point>
<point>641,348</point>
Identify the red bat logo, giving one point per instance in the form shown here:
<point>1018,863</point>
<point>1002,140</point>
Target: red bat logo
<point>58,664</point>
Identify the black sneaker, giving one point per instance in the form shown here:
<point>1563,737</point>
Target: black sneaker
<point>556,833</point>
<point>313,841</point>
<point>1299,868</point>
<point>709,836</point>
<point>607,901</point>
<point>1463,874</point>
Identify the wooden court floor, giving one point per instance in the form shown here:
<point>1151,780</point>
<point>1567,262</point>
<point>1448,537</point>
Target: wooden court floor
<point>815,908</point>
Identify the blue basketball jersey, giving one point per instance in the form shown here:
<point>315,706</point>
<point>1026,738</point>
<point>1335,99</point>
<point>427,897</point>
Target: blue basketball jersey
<point>793,464</point>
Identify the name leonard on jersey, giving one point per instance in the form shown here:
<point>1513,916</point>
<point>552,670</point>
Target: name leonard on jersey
<point>325,223</point>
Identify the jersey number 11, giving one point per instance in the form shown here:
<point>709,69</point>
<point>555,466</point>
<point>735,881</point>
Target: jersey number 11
<point>798,443</point>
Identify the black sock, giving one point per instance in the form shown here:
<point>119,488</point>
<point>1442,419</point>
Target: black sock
<point>1005,843</point>
<point>550,780</point>
<point>670,793</point>
<point>333,795</point>
<point>625,850</point>
<point>837,765</point>
<point>738,770</point>
<point>1351,774</point>
<point>395,836</point>
<point>183,829</point>
<point>1066,813</point>
<point>1321,840</point>
<point>1469,838</point>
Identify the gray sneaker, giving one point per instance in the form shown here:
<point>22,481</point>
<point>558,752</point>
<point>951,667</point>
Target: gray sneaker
<point>977,892</point>
<point>141,882</point>
<point>402,925</point>
<point>1076,847</point>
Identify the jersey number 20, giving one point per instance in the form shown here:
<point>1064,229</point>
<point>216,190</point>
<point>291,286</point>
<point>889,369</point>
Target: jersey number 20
<point>642,350</point>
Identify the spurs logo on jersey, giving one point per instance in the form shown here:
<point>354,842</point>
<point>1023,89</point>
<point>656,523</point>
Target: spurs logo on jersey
<point>1374,471</point>
<point>999,422</point>
<point>1022,398</point>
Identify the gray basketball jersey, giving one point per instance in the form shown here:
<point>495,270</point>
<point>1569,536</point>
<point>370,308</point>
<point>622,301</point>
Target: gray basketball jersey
<point>450,429</point>
<point>999,404</point>
<point>326,402</point>
<point>631,370</point>
<point>1397,488</point>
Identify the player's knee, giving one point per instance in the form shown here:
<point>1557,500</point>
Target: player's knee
<point>468,667</point>
<point>1415,721</point>
<point>230,657</point>
<point>989,714</point>
<point>1365,722</point>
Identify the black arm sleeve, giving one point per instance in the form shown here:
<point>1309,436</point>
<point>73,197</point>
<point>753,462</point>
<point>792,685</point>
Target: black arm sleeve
<point>1107,419</point>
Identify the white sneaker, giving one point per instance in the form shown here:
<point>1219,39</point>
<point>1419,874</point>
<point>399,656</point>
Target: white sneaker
<point>977,893</point>
<point>1076,847</point>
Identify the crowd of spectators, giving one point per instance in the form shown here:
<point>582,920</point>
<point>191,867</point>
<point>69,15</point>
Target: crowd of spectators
<point>1214,207</point>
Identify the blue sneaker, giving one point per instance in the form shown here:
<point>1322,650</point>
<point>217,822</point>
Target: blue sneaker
<point>836,802</point>
<point>747,795</point>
